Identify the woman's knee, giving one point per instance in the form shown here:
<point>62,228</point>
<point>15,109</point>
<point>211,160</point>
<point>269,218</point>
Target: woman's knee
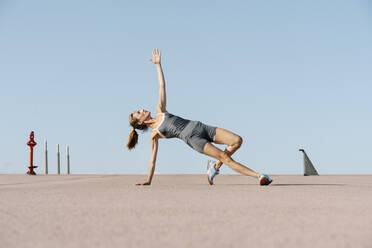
<point>238,141</point>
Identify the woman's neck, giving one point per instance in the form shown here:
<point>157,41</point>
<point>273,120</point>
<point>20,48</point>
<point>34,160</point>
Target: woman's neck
<point>151,122</point>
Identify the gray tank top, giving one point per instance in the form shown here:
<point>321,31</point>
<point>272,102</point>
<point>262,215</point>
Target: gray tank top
<point>172,126</point>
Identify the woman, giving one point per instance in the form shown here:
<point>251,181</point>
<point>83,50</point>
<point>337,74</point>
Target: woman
<point>196,134</point>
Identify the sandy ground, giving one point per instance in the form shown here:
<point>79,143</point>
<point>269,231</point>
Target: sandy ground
<point>184,211</point>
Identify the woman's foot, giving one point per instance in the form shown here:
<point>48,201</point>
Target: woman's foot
<point>211,171</point>
<point>264,179</point>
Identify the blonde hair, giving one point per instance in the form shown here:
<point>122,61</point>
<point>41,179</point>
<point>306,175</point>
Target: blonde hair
<point>133,135</point>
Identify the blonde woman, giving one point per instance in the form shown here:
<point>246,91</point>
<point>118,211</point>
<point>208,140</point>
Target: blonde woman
<point>196,134</point>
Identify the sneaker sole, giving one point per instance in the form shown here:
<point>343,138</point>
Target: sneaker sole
<point>210,183</point>
<point>208,169</point>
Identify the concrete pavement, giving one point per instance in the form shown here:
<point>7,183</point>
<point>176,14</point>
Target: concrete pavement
<point>184,211</point>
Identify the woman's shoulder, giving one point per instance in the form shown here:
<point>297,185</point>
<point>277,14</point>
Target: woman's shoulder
<point>156,134</point>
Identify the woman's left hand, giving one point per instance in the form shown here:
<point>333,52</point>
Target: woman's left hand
<point>145,183</point>
<point>156,56</point>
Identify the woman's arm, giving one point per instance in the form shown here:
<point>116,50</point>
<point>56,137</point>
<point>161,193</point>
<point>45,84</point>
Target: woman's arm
<point>154,151</point>
<point>161,108</point>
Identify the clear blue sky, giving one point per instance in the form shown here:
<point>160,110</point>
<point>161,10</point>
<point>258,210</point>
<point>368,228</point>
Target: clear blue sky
<point>282,74</point>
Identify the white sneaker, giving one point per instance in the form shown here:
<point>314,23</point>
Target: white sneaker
<point>211,171</point>
<point>264,179</point>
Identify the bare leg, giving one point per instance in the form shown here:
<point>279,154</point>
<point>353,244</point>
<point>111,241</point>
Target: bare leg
<point>222,156</point>
<point>228,138</point>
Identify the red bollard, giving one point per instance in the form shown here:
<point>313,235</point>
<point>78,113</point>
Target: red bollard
<point>31,143</point>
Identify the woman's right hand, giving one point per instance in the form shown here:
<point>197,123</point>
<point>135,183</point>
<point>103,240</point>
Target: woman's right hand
<point>144,183</point>
<point>156,56</point>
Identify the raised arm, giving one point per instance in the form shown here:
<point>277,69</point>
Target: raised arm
<point>154,151</point>
<point>161,108</point>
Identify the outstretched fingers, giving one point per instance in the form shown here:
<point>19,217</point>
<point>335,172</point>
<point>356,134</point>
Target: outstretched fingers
<point>156,55</point>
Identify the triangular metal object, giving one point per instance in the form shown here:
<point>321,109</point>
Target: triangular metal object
<point>309,169</point>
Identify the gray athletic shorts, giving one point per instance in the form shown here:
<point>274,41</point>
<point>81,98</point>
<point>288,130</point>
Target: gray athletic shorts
<point>197,134</point>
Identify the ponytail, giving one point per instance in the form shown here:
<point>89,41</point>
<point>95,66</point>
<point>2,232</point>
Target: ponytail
<point>133,136</point>
<point>133,139</point>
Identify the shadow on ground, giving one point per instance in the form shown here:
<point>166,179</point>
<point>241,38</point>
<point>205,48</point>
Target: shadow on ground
<point>302,184</point>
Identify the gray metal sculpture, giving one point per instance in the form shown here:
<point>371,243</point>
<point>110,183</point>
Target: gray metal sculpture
<point>309,169</point>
